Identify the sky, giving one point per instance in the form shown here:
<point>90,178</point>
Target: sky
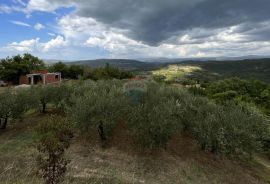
<point>91,29</point>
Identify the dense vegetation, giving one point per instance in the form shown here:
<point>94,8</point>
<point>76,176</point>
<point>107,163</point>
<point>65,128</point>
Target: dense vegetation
<point>228,118</point>
<point>210,71</point>
<point>226,129</point>
<point>255,93</point>
<point>12,68</point>
<point>53,137</point>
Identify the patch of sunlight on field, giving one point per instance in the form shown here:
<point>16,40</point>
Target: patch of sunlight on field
<point>173,72</point>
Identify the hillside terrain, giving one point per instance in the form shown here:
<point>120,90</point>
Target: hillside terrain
<point>108,125</point>
<point>216,70</point>
<point>121,162</point>
<point>209,70</point>
<point>125,64</point>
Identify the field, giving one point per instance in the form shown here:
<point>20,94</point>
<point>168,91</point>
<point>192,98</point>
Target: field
<point>182,162</point>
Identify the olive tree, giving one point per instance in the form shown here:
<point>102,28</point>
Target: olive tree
<point>13,104</point>
<point>155,120</point>
<point>44,95</point>
<point>101,108</point>
<point>6,107</point>
<point>61,95</point>
<point>229,130</point>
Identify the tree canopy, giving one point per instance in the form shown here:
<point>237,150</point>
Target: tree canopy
<point>12,68</point>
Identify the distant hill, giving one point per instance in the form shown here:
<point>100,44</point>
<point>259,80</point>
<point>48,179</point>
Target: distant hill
<point>125,64</point>
<point>258,69</point>
<point>211,69</point>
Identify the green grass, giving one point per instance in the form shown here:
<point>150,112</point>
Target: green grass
<point>175,72</point>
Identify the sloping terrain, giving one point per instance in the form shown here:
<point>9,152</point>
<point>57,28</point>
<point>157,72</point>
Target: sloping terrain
<point>216,70</point>
<point>182,162</point>
<point>125,64</point>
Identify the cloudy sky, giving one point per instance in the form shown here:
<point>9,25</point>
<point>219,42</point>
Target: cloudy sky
<point>88,29</point>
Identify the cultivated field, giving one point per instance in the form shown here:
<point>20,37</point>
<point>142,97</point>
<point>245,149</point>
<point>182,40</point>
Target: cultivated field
<point>122,162</point>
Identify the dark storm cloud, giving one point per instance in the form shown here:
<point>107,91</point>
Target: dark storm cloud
<point>155,21</point>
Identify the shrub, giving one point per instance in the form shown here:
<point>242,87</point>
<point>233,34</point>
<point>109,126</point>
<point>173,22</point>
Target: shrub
<point>53,138</point>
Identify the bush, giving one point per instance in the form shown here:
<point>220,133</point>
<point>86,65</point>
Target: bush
<point>53,138</point>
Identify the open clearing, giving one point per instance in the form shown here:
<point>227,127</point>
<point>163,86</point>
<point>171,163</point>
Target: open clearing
<point>183,162</point>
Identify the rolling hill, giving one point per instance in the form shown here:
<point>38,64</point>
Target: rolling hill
<point>210,70</point>
<point>125,64</point>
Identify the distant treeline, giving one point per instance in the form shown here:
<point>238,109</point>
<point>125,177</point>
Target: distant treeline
<point>12,68</point>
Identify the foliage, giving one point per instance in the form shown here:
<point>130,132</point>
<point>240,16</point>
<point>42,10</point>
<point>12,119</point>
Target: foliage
<point>6,107</point>
<point>154,121</point>
<point>13,104</point>
<point>24,101</point>
<point>53,139</point>
<point>67,71</point>
<point>101,108</point>
<point>12,68</point>
<point>44,95</point>
<point>106,73</point>
<point>253,92</point>
<point>61,96</point>
<point>229,129</point>
<point>58,95</point>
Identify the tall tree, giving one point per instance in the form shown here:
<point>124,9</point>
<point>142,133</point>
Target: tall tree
<point>12,68</point>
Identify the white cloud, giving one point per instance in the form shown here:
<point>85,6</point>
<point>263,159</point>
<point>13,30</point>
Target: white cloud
<point>24,46</point>
<point>47,6</point>
<point>82,34</point>
<point>51,34</point>
<point>19,23</point>
<point>34,45</point>
<point>39,26</point>
<point>88,32</point>
<point>58,42</point>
